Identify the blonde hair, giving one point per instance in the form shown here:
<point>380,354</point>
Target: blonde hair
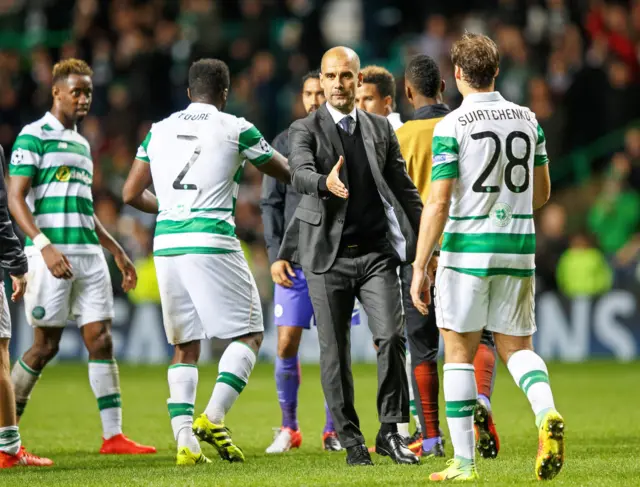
<point>65,68</point>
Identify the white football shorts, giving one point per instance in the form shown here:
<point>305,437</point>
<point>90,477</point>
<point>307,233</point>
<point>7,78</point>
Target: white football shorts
<point>5,317</point>
<point>207,296</point>
<point>86,298</point>
<point>502,304</point>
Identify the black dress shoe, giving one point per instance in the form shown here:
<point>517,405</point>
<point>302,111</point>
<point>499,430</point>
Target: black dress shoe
<point>393,445</point>
<point>358,455</point>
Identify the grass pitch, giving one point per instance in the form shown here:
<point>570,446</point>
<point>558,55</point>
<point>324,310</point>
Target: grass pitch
<point>597,399</point>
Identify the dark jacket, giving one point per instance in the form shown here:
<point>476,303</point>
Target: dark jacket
<point>313,237</point>
<point>12,257</point>
<point>277,204</point>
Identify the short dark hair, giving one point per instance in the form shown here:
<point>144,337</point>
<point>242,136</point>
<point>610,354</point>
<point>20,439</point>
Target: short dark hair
<point>384,81</point>
<point>424,74</point>
<point>478,57</point>
<point>67,67</point>
<point>208,78</point>
<point>315,74</point>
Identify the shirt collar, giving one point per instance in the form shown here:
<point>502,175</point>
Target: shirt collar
<point>54,123</point>
<point>482,97</point>
<point>395,120</point>
<point>431,111</point>
<point>201,107</point>
<point>337,116</point>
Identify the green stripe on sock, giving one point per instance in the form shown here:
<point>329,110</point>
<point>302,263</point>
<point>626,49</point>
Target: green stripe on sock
<point>35,373</point>
<point>175,366</point>
<point>231,380</point>
<point>533,377</point>
<point>110,401</point>
<point>11,443</point>
<point>9,435</point>
<point>460,409</point>
<point>180,409</point>
<point>412,408</point>
<point>111,361</point>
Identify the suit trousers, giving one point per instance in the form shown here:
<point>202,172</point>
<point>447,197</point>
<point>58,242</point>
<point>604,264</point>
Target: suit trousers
<point>371,276</point>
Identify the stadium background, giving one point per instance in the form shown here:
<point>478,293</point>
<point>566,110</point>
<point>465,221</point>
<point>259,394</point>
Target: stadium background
<point>575,63</point>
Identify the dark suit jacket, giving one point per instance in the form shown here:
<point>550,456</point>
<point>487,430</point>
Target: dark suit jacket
<point>313,236</point>
<point>12,258</point>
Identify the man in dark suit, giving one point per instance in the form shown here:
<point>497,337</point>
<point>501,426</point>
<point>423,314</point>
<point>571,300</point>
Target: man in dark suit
<point>356,222</point>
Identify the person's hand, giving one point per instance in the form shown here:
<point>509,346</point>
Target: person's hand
<point>333,181</point>
<point>57,262</point>
<point>19,287</point>
<point>280,272</point>
<point>129,275</point>
<point>421,290</point>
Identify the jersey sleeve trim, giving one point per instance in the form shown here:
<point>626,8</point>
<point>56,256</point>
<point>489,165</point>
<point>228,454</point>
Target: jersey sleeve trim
<point>27,152</point>
<point>143,153</point>
<point>445,158</point>
<point>540,160</point>
<point>445,171</point>
<point>253,146</point>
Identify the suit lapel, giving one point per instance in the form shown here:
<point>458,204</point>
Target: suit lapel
<point>366,130</point>
<point>331,130</point>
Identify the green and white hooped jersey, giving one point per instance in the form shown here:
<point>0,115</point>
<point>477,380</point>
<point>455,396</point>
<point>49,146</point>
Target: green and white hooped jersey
<point>491,146</point>
<point>197,157</point>
<point>58,160</point>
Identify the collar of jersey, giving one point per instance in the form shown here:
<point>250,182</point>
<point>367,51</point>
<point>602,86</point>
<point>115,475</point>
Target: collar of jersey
<point>55,123</point>
<point>482,97</point>
<point>201,106</point>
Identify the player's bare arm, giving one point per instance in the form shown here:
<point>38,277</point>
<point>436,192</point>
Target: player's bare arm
<point>541,186</point>
<point>434,217</point>
<point>277,167</point>
<point>135,192</point>
<point>56,261</point>
<point>129,275</point>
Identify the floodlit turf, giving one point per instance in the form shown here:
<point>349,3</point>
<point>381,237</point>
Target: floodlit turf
<point>598,401</point>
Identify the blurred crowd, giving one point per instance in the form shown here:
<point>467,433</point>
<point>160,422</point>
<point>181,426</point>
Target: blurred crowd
<point>574,62</point>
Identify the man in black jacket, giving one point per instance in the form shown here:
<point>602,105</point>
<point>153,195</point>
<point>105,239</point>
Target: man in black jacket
<point>292,305</point>
<point>357,221</point>
<point>13,260</point>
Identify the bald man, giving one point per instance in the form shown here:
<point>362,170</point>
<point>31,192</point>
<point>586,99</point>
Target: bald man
<point>356,222</point>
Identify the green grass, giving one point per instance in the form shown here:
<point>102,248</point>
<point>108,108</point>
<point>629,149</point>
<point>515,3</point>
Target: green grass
<point>597,399</point>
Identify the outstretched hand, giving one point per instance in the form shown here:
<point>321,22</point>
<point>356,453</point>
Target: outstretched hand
<point>334,184</point>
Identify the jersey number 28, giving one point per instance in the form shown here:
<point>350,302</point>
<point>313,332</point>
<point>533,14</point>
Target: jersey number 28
<point>514,162</point>
<point>177,182</point>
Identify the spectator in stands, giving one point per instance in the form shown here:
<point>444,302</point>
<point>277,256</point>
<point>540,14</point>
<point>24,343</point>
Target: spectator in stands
<point>583,270</point>
<point>614,219</point>
<point>551,243</point>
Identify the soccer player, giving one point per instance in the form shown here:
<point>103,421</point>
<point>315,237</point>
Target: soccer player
<point>13,260</point>
<point>50,198</point>
<point>195,159</point>
<point>292,305</point>
<point>423,89</point>
<point>490,172</point>
<point>377,94</point>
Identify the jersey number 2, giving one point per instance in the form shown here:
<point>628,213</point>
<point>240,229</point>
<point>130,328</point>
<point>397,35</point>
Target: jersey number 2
<point>177,183</point>
<point>514,162</point>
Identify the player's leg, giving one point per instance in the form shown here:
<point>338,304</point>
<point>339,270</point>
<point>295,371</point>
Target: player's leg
<point>462,304</point>
<point>184,331</point>
<point>512,320</point>
<point>12,453</point>
<point>292,313</point>
<point>487,439</point>
<point>46,306</point>
<point>227,312</point>
<point>92,305</point>
<point>423,339</point>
